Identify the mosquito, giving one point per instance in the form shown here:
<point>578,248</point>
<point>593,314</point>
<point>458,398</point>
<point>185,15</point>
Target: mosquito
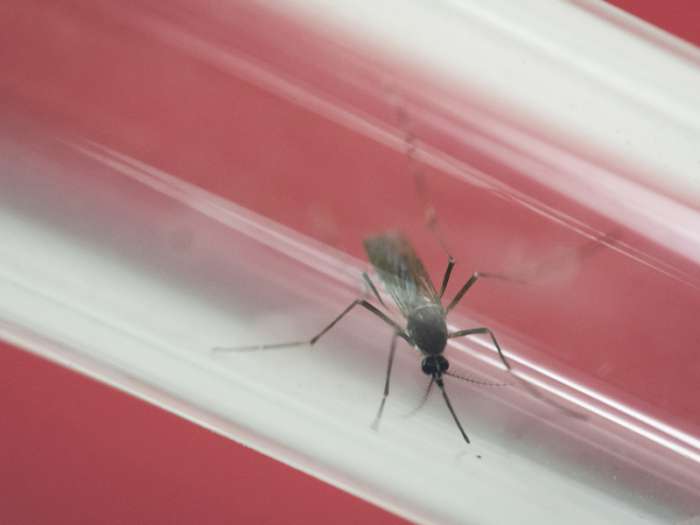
<point>408,283</point>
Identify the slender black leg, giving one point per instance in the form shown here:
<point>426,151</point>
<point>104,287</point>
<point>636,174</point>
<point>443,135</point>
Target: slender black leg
<point>446,277</point>
<point>373,288</point>
<point>441,385</point>
<point>473,279</point>
<point>482,330</point>
<point>392,351</point>
<point>430,215</point>
<point>462,291</point>
<point>369,306</point>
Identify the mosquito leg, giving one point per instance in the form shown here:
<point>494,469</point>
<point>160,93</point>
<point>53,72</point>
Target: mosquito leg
<point>446,277</point>
<point>369,306</point>
<point>373,288</point>
<point>392,351</point>
<point>462,291</point>
<point>426,394</point>
<point>430,215</point>
<point>441,385</point>
<point>482,330</point>
<point>473,279</point>
<point>415,168</point>
<point>431,220</point>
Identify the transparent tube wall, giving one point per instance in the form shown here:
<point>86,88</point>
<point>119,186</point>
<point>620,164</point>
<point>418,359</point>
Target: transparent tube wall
<point>179,177</point>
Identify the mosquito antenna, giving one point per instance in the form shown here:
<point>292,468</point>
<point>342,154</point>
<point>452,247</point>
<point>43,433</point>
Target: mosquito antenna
<point>423,400</point>
<point>255,348</point>
<point>475,381</point>
<point>441,385</point>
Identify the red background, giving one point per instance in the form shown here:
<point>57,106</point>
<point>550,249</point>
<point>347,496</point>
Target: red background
<point>75,451</point>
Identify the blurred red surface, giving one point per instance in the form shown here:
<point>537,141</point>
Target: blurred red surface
<point>680,17</point>
<point>76,451</point>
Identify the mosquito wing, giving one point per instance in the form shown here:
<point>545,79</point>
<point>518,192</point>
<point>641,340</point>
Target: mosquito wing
<point>401,271</point>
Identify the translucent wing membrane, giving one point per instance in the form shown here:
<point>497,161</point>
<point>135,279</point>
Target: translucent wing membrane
<point>402,273</point>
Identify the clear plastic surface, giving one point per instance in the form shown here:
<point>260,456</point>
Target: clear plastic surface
<point>211,186</point>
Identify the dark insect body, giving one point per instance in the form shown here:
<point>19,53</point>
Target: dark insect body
<point>411,288</point>
<point>409,285</point>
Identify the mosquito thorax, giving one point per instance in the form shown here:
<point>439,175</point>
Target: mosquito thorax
<point>427,329</point>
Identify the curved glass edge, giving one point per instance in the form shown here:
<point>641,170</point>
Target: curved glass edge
<point>473,152</point>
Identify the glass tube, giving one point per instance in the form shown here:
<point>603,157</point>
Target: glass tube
<point>183,177</point>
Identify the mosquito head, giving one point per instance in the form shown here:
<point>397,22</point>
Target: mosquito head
<point>435,366</point>
<point>427,329</point>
